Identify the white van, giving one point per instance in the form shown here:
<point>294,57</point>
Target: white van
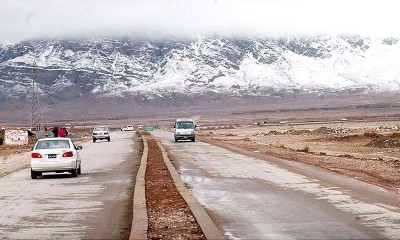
<point>185,129</point>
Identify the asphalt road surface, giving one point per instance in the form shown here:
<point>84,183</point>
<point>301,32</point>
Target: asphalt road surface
<point>95,205</point>
<point>254,198</point>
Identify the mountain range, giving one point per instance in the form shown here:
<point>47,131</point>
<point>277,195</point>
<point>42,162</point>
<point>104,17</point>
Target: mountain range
<point>68,69</point>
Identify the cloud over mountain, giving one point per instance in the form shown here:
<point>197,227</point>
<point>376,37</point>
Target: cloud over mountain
<point>36,19</point>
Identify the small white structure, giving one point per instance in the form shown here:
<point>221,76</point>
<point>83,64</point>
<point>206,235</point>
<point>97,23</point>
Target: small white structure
<point>16,137</point>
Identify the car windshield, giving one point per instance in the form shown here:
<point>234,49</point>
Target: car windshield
<point>100,129</point>
<point>52,144</point>
<point>185,125</point>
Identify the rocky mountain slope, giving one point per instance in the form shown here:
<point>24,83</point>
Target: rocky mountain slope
<point>67,69</point>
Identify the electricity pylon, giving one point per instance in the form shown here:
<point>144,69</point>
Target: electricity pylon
<point>35,101</point>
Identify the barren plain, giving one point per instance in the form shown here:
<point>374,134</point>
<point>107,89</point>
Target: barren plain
<point>368,151</point>
<point>356,135</point>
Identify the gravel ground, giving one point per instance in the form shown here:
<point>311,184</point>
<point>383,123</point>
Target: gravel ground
<point>169,215</point>
<point>14,161</point>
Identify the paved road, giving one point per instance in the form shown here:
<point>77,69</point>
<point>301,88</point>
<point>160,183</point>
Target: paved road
<point>253,198</point>
<point>94,205</point>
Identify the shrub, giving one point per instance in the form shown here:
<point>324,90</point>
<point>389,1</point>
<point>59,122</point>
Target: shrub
<point>395,135</point>
<point>370,133</point>
<point>305,149</point>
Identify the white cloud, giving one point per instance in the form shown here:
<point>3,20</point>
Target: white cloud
<point>29,19</point>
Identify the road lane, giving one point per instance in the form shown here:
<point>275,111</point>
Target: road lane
<point>93,205</point>
<point>252,198</point>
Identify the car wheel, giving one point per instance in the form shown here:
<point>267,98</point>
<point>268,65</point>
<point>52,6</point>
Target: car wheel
<point>108,139</point>
<point>74,173</point>
<point>33,174</point>
<point>94,139</point>
<point>176,140</point>
<point>80,169</point>
<point>193,139</point>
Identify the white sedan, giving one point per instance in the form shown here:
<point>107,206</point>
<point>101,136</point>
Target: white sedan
<point>127,128</point>
<point>55,155</point>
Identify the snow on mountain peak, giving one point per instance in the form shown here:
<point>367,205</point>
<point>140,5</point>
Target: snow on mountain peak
<point>72,68</point>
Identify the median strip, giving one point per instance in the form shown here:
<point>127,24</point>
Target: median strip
<point>208,227</point>
<point>140,220</point>
<point>163,206</point>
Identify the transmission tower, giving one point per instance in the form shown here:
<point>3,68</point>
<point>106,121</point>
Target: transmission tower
<point>35,101</point>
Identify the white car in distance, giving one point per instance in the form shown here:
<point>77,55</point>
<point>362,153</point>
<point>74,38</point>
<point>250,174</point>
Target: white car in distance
<point>55,155</point>
<point>127,128</point>
<point>100,133</point>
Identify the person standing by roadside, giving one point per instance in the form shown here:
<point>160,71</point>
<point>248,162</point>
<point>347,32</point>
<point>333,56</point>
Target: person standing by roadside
<point>65,131</point>
<point>61,132</point>
<point>55,131</point>
<point>51,134</point>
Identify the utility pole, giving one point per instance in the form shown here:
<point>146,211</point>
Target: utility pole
<point>35,101</point>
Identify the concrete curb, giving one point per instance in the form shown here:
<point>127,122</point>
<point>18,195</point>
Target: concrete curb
<point>208,227</point>
<point>140,222</point>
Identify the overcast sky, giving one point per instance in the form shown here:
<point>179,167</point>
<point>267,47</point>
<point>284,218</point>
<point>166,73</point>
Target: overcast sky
<point>32,19</point>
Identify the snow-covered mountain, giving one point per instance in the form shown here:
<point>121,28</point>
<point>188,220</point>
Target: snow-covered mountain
<point>68,69</point>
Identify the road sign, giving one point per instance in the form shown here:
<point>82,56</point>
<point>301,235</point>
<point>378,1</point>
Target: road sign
<point>148,128</point>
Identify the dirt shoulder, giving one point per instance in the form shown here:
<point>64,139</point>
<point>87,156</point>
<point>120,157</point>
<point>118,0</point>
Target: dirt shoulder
<point>370,154</point>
